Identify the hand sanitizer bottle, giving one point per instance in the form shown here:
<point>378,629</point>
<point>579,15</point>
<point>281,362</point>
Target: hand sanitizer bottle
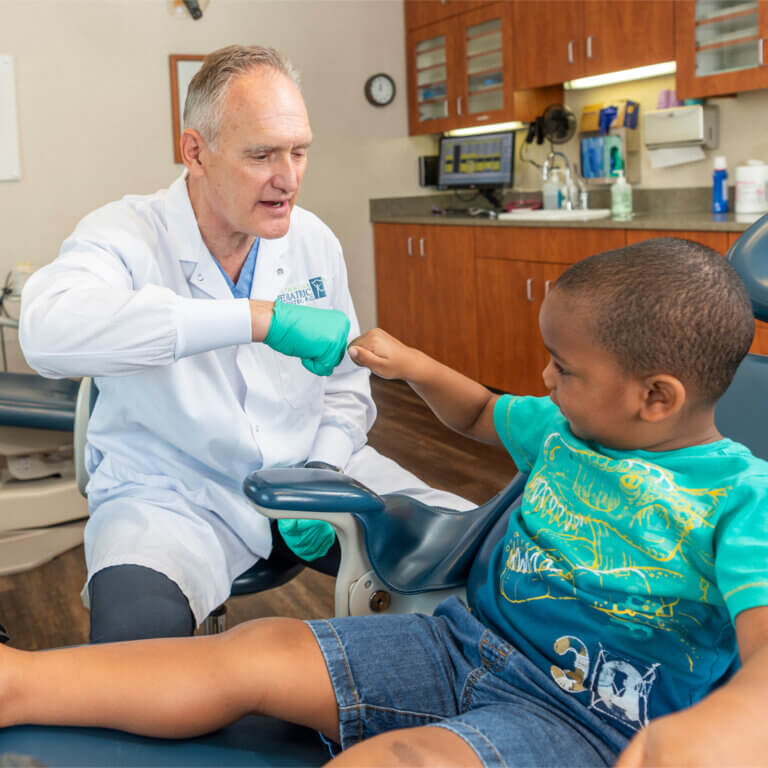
<point>621,199</point>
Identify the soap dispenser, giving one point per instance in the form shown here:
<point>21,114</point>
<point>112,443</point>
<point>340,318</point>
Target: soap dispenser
<point>621,198</point>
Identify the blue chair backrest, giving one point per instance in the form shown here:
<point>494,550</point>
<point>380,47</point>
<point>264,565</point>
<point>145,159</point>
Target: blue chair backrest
<point>742,413</point>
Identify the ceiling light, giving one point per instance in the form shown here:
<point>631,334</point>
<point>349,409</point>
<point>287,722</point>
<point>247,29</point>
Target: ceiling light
<point>623,76</point>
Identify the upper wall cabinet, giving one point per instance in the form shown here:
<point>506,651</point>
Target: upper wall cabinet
<point>566,39</point>
<point>421,12</point>
<point>720,46</point>
<point>460,73</point>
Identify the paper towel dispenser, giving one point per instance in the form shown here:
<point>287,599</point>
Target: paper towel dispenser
<point>697,125</point>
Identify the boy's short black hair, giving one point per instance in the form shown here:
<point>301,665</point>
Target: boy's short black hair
<point>667,306</point>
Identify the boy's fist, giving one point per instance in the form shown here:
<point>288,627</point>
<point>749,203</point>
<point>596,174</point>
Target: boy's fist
<point>383,354</point>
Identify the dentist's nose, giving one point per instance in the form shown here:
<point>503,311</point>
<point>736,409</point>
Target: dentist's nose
<point>286,176</point>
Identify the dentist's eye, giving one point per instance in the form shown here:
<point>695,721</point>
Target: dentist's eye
<point>559,368</point>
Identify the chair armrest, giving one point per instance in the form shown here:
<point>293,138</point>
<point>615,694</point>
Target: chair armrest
<point>308,490</point>
<point>320,494</point>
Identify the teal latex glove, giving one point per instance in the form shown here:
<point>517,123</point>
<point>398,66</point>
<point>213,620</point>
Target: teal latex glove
<point>309,539</point>
<point>317,336</point>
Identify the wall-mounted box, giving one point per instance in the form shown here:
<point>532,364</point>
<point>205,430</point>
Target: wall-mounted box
<point>690,126</point>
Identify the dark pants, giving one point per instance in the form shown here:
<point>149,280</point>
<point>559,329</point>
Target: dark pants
<point>132,602</point>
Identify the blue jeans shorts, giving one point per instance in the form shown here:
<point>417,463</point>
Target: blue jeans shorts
<point>448,670</point>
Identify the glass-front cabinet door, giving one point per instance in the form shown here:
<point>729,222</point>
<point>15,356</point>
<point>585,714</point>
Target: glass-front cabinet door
<point>721,47</point>
<point>485,64</point>
<point>432,78</point>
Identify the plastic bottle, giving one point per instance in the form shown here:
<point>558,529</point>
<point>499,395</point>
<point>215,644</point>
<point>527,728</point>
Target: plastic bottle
<point>551,194</point>
<point>621,199</point>
<point>720,186</point>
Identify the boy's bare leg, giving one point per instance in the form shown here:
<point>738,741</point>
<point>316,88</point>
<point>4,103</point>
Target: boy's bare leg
<point>176,687</point>
<point>410,747</point>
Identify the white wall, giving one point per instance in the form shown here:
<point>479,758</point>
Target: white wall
<point>742,135</point>
<point>93,98</point>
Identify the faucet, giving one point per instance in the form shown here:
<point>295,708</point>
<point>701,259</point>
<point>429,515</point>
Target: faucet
<point>548,166</point>
<point>583,194</point>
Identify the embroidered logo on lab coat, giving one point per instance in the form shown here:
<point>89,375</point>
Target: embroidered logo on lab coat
<point>311,290</point>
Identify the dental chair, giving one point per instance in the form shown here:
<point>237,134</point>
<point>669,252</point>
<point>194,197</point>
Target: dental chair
<point>41,511</point>
<point>397,555</point>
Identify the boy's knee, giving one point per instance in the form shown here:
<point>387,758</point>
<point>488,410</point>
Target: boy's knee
<point>409,748</point>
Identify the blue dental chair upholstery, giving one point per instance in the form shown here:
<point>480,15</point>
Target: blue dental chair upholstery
<point>369,538</point>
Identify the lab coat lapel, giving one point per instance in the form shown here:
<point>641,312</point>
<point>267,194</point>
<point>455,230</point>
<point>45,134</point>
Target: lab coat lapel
<point>272,269</point>
<point>195,260</point>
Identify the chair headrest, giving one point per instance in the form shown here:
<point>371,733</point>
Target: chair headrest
<point>749,257</point>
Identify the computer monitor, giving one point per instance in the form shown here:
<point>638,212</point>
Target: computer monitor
<point>483,161</point>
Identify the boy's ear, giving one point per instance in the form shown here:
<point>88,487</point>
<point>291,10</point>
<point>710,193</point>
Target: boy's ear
<point>663,396</point>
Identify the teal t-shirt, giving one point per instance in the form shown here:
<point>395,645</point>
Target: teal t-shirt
<point>620,573</point>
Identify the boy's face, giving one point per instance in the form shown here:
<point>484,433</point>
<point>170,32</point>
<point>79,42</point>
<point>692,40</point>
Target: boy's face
<point>597,397</point>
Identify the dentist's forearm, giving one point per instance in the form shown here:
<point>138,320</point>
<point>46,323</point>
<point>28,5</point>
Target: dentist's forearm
<point>261,317</point>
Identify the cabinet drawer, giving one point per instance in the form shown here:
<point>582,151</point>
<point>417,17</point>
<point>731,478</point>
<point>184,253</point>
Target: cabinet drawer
<point>544,244</point>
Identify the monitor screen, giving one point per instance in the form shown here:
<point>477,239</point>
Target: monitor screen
<point>483,160</point>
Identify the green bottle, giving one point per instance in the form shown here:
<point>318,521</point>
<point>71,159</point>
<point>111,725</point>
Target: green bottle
<point>621,199</point>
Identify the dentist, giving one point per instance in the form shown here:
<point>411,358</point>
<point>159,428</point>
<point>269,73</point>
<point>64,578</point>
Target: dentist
<point>205,313</point>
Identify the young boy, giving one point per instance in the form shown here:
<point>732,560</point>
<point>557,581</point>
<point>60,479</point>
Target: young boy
<point>629,582</point>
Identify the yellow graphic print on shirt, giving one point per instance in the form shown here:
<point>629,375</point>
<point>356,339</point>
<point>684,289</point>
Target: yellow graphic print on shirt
<point>619,534</point>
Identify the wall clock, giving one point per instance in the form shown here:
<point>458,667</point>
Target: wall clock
<point>380,90</point>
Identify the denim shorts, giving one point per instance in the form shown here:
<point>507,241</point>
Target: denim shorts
<point>448,670</point>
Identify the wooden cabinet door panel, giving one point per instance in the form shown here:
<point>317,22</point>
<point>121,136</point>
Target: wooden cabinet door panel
<point>691,83</point>
<point>621,34</point>
<point>447,291</point>
<point>552,43</point>
<point>509,296</point>
<point>560,246</point>
<point>432,62</point>
<point>399,282</point>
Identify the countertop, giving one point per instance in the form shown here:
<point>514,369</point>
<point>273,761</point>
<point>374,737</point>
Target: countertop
<point>683,210</point>
<point>679,221</point>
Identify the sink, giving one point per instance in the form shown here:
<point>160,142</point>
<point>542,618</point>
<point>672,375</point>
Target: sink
<point>543,214</point>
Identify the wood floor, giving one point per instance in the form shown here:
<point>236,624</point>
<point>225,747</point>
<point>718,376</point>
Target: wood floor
<point>42,608</point>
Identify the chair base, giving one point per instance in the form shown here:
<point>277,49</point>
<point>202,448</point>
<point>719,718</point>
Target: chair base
<point>24,550</point>
<point>32,504</point>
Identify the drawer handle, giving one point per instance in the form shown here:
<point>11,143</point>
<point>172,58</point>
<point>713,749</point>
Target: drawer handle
<point>421,247</point>
<point>458,105</point>
<point>761,51</point>
<point>570,51</point>
<point>546,287</point>
<point>589,46</point>
<point>410,246</point>
<point>528,287</point>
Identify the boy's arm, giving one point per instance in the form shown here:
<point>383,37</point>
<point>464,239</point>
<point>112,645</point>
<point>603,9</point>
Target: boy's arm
<point>728,727</point>
<point>459,402</point>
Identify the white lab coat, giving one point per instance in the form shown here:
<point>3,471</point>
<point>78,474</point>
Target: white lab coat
<point>188,405</point>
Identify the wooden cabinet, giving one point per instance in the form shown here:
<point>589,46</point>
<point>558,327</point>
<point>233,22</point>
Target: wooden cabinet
<point>622,34</point>
<point>460,73</point>
<point>511,354</point>
<point>418,13</point>
<point>470,296</point>
<point>425,290</point>
<point>720,47</point>
<point>567,39</point>
<point>515,268</point>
